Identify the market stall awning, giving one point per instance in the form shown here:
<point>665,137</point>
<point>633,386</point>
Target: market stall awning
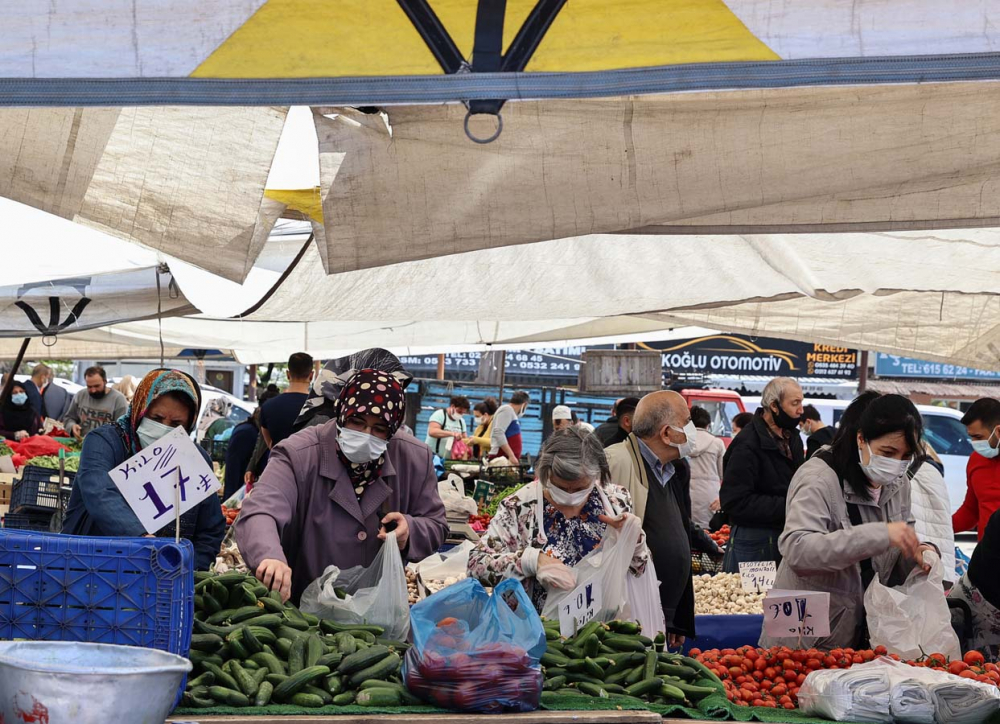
<point>860,290</point>
<point>185,181</point>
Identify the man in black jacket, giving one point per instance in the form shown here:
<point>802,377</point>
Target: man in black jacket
<point>757,469</point>
<point>617,428</point>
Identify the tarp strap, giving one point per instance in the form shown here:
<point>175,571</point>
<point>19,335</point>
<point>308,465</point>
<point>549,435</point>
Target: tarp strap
<point>434,34</point>
<point>487,50</point>
<point>54,324</point>
<point>529,37</point>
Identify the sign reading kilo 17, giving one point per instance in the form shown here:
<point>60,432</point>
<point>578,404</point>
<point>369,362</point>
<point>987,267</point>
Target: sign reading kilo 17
<point>737,354</point>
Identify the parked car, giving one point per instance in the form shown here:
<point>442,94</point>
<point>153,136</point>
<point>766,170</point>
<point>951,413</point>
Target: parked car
<point>943,429</point>
<point>722,405</point>
<point>238,409</point>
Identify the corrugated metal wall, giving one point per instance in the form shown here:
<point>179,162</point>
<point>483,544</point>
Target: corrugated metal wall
<point>536,425</point>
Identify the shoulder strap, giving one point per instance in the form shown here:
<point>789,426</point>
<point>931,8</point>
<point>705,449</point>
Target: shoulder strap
<point>854,513</point>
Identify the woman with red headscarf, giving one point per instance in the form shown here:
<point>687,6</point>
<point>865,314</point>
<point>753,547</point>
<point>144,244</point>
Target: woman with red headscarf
<point>330,493</point>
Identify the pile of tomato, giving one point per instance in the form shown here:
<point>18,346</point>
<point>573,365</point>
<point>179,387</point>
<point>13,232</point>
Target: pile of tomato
<point>480,523</point>
<point>772,677</point>
<point>230,514</point>
<point>721,536</point>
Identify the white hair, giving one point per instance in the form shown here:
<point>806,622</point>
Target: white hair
<point>774,391</point>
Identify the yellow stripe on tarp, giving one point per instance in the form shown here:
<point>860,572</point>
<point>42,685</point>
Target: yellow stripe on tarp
<point>338,38</point>
<point>305,201</point>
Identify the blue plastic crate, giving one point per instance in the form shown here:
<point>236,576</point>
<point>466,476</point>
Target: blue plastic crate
<point>37,491</point>
<point>128,591</point>
<point>17,521</point>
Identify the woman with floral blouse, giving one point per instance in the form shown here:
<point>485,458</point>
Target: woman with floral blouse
<point>544,529</point>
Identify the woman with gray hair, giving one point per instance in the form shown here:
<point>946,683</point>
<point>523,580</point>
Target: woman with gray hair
<point>544,529</point>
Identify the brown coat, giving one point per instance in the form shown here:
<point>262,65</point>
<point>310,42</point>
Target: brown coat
<point>304,510</point>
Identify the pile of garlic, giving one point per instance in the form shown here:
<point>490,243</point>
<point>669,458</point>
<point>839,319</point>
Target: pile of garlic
<point>723,594</point>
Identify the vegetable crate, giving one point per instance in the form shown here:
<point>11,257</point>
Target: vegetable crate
<point>128,591</point>
<point>703,563</point>
<point>38,491</point>
<point>28,521</point>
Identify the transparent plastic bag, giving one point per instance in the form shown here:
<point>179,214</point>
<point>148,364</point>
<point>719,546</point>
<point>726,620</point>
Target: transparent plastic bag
<point>456,503</point>
<point>476,652</point>
<point>373,595</point>
<point>912,618</point>
<point>852,695</point>
<point>607,567</point>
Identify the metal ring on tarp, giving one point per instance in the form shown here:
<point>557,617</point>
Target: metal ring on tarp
<point>47,337</point>
<point>484,141</point>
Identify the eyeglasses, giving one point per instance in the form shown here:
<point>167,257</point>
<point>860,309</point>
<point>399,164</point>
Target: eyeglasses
<point>359,424</point>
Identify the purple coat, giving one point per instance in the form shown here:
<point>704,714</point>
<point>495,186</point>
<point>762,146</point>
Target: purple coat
<point>304,511</point>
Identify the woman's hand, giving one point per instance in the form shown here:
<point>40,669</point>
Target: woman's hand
<point>276,576</point>
<point>925,567</point>
<point>902,537</point>
<point>553,573</point>
<point>21,434</point>
<point>715,506</point>
<point>402,529</point>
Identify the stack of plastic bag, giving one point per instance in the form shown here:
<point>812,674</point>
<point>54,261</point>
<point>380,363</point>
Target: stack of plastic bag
<point>855,694</point>
<point>373,595</point>
<point>476,652</point>
<point>916,695</point>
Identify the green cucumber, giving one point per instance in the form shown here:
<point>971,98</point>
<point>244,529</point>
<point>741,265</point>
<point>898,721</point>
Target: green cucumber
<point>379,697</point>
<point>552,659</point>
<point>297,656</point>
<point>321,693</point>
<point>283,647</point>
<point>219,616</point>
<point>206,679</point>
<point>362,660</point>
<point>230,697</point>
<point>705,672</point>
<point>636,675</point>
<point>334,684</point>
<point>644,687</point>
<point>624,643</point>
<point>221,677</point>
<point>332,660</point>
<point>264,693</point>
<point>555,682</point>
<point>345,643</point>
<point>308,701</point>
<point>332,627</point>
<point>649,667</point>
<point>692,692</point>
<point>209,643</point>
<point>237,650</point>
<point>625,661</point>
<point>379,670</point>
<point>659,642</point>
<point>314,649</point>
<point>250,641</point>
<point>248,685</point>
<point>245,614</point>
<point>628,628</point>
<point>295,682</point>
<point>592,668</point>
<point>271,606</point>
<point>270,662</point>
<point>669,691</point>
<point>593,690</point>
<point>344,699</point>
<point>275,679</point>
<point>592,645</point>
<point>684,672</point>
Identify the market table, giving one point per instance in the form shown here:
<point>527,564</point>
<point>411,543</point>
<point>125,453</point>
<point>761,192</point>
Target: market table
<point>537,717</point>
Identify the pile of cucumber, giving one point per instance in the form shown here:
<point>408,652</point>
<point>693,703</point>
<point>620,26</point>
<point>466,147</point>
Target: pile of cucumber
<point>615,661</point>
<point>250,649</point>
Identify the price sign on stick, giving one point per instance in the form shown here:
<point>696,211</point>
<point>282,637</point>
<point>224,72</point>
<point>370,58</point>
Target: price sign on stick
<point>791,614</point>
<point>165,480</point>
<point>758,576</point>
<point>580,607</point>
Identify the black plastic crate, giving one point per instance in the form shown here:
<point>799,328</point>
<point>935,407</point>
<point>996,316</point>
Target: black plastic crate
<point>37,491</point>
<point>28,521</point>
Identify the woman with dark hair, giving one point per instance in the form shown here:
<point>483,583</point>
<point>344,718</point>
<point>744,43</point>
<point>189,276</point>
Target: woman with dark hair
<point>18,418</point>
<point>847,516</point>
<point>483,415</point>
<point>165,399</point>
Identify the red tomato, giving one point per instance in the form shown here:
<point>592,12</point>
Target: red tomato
<point>757,702</point>
<point>814,664</point>
<point>880,651</point>
<point>992,667</point>
<point>735,671</point>
<point>740,680</point>
<point>801,680</point>
<point>694,652</point>
<point>766,684</point>
<point>857,659</point>
<point>974,658</point>
<point>770,672</point>
<point>829,661</point>
<point>993,676</point>
<point>789,705</point>
<point>937,660</point>
<point>868,655</point>
<point>758,676</point>
<point>957,667</point>
<point>760,664</point>
<point>968,674</point>
<point>779,690</point>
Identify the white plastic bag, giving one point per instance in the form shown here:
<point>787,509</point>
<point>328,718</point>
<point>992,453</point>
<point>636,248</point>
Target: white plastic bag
<point>441,570</point>
<point>374,595</point>
<point>456,504</point>
<point>853,695</point>
<point>914,617</point>
<point>644,604</point>
<point>607,567</point>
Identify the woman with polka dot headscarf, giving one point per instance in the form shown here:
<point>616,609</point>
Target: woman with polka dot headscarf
<point>331,493</point>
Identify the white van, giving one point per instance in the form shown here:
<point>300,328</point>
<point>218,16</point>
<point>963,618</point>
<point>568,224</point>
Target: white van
<point>943,429</point>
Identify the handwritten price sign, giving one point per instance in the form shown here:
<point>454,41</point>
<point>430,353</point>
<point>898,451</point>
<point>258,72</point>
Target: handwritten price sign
<point>758,576</point>
<point>581,607</point>
<point>152,480</point>
<point>791,614</point>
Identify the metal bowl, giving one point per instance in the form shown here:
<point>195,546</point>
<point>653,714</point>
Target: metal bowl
<point>66,682</point>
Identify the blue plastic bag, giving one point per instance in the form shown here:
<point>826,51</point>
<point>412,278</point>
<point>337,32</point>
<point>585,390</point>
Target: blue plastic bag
<point>476,652</point>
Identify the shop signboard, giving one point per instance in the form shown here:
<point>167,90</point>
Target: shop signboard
<point>793,614</point>
<point>547,362</point>
<point>737,354</point>
<point>890,365</point>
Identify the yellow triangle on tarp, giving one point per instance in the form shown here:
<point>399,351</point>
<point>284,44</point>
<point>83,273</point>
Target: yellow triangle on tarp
<point>305,201</point>
<point>309,39</point>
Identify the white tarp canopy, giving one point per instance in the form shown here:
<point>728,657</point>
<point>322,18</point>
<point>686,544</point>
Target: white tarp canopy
<point>921,294</point>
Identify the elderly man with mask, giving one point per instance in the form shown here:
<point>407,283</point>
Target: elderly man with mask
<point>650,464</point>
<point>331,493</point>
<point>759,466</point>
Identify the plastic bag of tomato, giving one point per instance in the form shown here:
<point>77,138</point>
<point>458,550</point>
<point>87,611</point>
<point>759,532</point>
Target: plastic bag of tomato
<point>772,677</point>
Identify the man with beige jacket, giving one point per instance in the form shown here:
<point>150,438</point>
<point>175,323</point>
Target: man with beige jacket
<point>650,464</point>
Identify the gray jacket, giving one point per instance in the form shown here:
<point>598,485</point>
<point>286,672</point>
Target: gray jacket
<point>822,551</point>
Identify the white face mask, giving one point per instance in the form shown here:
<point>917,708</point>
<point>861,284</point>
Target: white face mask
<point>360,447</point>
<point>881,470</point>
<point>690,446</point>
<point>569,500</point>
<point>478,419</point>
<point>985,447</point>
<point>149,431</point>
